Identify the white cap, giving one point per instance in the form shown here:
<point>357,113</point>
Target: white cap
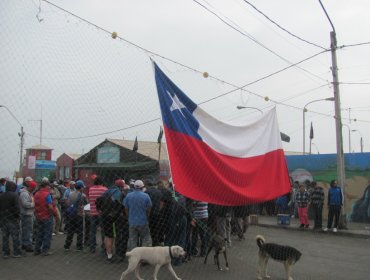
<point>138,184</point>
<point>45,180</point>
<point>28,179</point>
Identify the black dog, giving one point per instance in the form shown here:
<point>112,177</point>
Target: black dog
<point>285,254</point>
<point>219,245</point>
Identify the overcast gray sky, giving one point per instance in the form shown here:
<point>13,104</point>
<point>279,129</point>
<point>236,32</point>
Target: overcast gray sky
<point>88,83</point>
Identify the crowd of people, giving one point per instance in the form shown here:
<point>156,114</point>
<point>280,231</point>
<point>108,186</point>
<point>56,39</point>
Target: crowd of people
<point>306,200</point>
<point>138,213</point>
<point>127,215</point>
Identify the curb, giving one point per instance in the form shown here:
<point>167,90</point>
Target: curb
<point>343,232</point>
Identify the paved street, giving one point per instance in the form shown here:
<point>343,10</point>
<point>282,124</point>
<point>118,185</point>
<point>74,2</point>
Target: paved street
<point>325,256</point>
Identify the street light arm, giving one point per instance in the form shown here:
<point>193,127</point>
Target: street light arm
<point>322,6</point>
<point>10,112</point>
<point>247,107</point>
<point>304,119</point>
<point>21,135</point>
<point>323,99</point>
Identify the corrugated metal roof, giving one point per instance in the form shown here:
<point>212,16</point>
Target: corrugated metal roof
<point>146,148</point>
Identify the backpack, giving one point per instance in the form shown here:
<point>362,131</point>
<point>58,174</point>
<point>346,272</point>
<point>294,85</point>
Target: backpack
<point>64,199</point>
<point>72,210</point>
<point>109,206</point>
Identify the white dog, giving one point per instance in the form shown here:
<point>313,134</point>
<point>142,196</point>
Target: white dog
<point>157,256</point>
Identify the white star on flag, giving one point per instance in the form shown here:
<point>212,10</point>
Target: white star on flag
<point>176,104</point>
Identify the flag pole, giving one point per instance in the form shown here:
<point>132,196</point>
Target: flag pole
<point>169,161</point>
<point>135,148</point>
<point>159,140</point>
<point>311,137</point>
<point>159,152</point>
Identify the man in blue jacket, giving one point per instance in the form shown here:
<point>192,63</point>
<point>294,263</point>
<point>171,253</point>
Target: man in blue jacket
<point>335,202</point>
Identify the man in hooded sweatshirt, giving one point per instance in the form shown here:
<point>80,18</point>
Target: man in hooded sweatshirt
<point>27,206</point>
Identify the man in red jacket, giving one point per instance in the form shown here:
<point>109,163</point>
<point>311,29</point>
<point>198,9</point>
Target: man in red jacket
<point>44,212</point>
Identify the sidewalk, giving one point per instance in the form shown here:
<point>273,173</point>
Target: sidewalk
<point>356,230</point>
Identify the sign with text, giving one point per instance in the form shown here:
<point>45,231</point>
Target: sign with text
<point>31,162</point>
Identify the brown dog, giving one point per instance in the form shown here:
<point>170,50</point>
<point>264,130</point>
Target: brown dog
<point>219,245</point>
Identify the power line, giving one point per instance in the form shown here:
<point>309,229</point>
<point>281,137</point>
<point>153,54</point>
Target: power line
<point>354,83</point>
<point>255,40</point>
<point>282,28</point>
<point>262,78</point>
<point>354,45</point>
<point>185,66</point>
<point>100,134</point>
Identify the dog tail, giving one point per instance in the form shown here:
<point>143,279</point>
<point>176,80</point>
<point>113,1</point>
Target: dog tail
<point>128,254</point>
<point>260,240</point>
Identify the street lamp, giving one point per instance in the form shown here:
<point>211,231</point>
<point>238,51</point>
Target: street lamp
<point>284,137</point>
<point>349,137</point>
<point>247,107</point>
<point>21,135</point>
<point>361,141</point>
<point>304,119</point>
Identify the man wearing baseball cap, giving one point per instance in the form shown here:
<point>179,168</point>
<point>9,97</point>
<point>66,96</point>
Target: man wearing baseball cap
<point>27,207</point>
<point>76,200</point>
<point>44,212</point>
<point>137,206</point>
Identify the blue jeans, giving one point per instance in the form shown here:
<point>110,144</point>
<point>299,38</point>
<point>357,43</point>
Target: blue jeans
<point>27,230</point>
<point>95,221</point>
<point>11,228</point>
<point>75,225</point>
<point>136,232</point>
<point>44,235</point>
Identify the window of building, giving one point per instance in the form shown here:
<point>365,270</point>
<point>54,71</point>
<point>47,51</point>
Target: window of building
<point>41,155</point>
<point>61,173</point>
<point>67,172</point>
<point>108,154</point>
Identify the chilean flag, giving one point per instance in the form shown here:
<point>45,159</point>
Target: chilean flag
<point>216,162</point>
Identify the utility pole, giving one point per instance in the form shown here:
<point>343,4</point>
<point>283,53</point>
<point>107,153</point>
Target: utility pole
<point>338,120</point>
<point>338,125</point>
<point>21,135</point>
